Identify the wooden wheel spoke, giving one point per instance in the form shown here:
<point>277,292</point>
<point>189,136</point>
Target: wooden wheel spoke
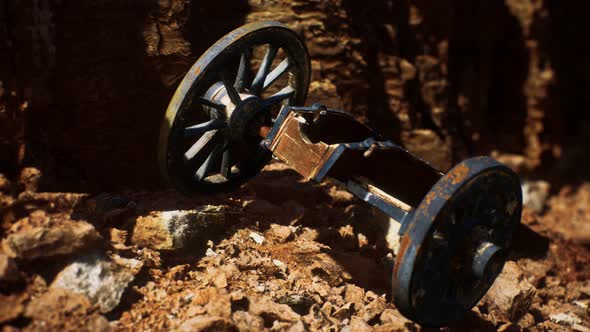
<point>226,163</point>
<point>278,97</point>
<point>276,73</point>
<point>207,165</point>
<point>202,144</point>
<point>228,82</point>
<point>258,81</point>
<point>201,128</point>
<point>210,103</point>
<point>243,71</point>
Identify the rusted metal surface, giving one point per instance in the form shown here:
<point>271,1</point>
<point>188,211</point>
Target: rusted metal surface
<point>301,155</point>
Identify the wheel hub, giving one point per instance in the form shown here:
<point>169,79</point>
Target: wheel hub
<point>244,119</point>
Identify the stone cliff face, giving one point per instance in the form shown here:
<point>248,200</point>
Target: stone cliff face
<point>85,84</point>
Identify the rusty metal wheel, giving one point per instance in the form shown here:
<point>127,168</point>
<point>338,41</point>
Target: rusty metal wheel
<point>208,141</point>
<point>457,241</point>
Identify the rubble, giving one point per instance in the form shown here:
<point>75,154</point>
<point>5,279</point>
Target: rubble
<point>298,278</point>
<point>101,280</point>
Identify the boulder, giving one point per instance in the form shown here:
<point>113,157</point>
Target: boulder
<point>100,279</point>
<point>51,239</point>
<point>169,230</point>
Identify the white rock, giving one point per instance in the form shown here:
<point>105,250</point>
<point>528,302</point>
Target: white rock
<point>535,194</point>
<point>259,239</point>
<point>565,319</point>
<point>101,280</point>
<point>210,253</point>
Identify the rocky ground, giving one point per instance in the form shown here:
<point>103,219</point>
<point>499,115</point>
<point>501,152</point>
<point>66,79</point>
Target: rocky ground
<point>278,254</point>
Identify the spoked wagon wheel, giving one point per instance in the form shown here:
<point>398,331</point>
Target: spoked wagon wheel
<point>458,242</point>
<point>209,141</point>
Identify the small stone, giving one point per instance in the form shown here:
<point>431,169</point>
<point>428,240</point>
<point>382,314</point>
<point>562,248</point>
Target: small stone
<point>373,309</point>
<point>278,263</point>
<point>246,322</point>
<point>565,319</point>
<point>354,294</point>
<point>359,325</point>
<point>344,312</point>
<point>327,309</point>
<point>118,238</point>
<point>101,280</point>
<point>29,179</point>
<point>535,194</point>
<point>219,305</point>
<point>178,272</point>
<point>584,304</point>
<point>527,321</point>
<point>210,253</point>
<point>370,296</point>
<point>44,241</point>
<point>362,240</point>
<point>392,316</point>
<point>327,269</point>
<point>208,323</point>
<point>299,303</point>
<point>348,239</point>
<point>57,300</point>
<point>279,233</point>
<point>259,239</point>
<point>60,307</point>
<point>511,294</point>
<point>271,311</point>
<point>220,280</point>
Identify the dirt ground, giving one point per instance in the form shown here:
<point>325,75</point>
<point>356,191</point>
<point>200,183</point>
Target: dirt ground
<point>289,255</point>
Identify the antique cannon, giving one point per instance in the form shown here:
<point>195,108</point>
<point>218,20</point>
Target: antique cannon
<point>226,120</point>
